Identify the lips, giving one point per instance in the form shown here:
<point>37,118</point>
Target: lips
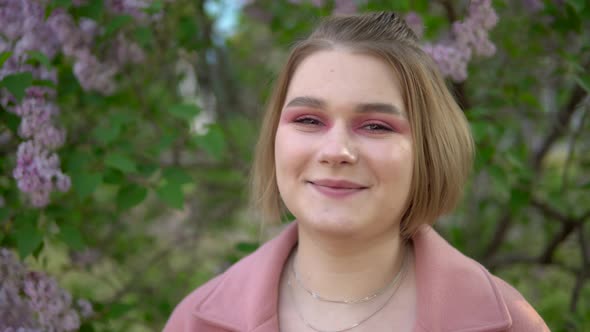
<point>336,188</point>
<point>337,184</point>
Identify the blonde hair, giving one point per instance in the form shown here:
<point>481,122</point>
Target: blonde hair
<point>442,142</point>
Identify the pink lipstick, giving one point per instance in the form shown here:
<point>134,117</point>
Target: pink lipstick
<point>337,188</point>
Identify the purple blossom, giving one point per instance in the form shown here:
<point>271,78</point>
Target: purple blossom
<point>533,6</point>
<point>344,7</point>
<point>85,308</point>
<point>94,75</point>
<point>23,28</point>
<point>470,37</point>
<point>135,8</point>
<point>11,14</point>
<point>125,51</point>
<point>451,61</point>
<point>414,21</point>
<point>33,302</point>
<point>315,3</point>
<point>37,173</point>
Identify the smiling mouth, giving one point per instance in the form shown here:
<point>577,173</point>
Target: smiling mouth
<point>336,190</point>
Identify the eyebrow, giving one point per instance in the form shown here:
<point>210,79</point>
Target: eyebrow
<point>360,108</point>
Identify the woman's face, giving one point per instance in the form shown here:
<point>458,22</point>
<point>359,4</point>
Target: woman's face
<point>343,148</point>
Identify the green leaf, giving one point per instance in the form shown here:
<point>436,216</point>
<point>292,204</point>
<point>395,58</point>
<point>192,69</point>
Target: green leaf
<point>519,198</point>
<point>3,57</point>
<point>584,82</point>
<point>62,3</point>
<point>144,36</point>
<point>86,327</point>
<point>121,162</point>
<point>71,236</point>
<point>578,5</point>
<point>17,84</point>
<point>213,142</point>
<point>171,193</point>
<point>185,34</point>
<point>116,23</point>
<point>247,247</point>
<point>117,310</point>
<point>184,111</point>
<point>45,83</point>
<point>36,57</point>
<point>85,183</point>
<point>4,213</point>
<point>480,130</point>
<point>93,9</point>
<point>106,133</point>
<point>147,170</point>
<point>155,7</point>
<point>12,121</point>
<point>176,175</point>
<point>130,195</point>
<point>28,239</point>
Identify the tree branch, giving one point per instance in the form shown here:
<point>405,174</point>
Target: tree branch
<point>550,211</point>
<point>584,272</point>
<point>566,229</point>
<point>498,237</point>
<point>508,260</point>
<point>563,118</point>
<point>560,125</point>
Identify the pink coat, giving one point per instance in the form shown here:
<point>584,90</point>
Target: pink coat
<point>454,293</point>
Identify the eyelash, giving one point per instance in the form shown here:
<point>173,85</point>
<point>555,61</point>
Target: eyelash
<point>309,121</point>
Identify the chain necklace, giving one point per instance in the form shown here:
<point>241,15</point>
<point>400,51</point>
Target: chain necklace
<point>355,301</point>
<point>399,276</point>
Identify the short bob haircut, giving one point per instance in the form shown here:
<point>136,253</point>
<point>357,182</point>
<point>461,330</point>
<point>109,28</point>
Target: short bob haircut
<point>442,144</point>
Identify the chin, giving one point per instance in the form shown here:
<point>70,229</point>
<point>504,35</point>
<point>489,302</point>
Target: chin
<point>333,225</point>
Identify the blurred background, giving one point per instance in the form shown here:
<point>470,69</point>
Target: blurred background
<point>127,130</point>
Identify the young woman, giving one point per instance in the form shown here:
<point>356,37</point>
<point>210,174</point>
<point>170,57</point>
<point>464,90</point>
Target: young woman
<point>363,143</point>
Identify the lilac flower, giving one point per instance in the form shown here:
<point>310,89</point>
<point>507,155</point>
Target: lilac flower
<point>11,14</point>
<point>135,8</point>
<point>344,7</point>
<point>37,173</point>
<point>93,75</point>
<point>33,302</point>
<point>85,308</point>
<point>315,3</point>
<point>414,21</point>
<point>470,37</point>
<point>125,51</point>
<point>451,61</point>
<point>533,6</point>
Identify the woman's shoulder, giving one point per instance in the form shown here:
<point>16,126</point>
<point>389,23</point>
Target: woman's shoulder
<point>181,318</point>
<point>454,286</point>
<point>221,301</point>
<point>524,316</point>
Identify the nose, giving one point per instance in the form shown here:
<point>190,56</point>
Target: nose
<point>338,148</point>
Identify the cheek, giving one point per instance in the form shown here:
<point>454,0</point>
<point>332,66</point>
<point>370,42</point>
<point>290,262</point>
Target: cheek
<point>397,164</point>
<point>291,152</point>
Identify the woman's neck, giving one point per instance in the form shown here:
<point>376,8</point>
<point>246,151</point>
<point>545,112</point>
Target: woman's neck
<point>347,269</point>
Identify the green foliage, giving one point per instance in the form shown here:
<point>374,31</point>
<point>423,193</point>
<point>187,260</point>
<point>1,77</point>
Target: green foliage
<point>17,83</point>
<point>164,204</point>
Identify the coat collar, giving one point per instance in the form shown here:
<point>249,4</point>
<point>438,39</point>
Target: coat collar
<point>454,293</point>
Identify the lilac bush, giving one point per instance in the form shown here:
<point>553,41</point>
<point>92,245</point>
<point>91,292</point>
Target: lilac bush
<point>469,37</point>
<point>23,30</point>
<point>33,301</point>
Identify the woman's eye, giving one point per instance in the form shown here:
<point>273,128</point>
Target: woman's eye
<point>308,121</point>
<point>377,127</point>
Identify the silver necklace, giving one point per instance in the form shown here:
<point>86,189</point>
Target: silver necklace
<point>398,276</point>
<point>354,301</point>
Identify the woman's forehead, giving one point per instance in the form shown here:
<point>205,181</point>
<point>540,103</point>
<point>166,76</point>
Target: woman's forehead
<point>339,76</point>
